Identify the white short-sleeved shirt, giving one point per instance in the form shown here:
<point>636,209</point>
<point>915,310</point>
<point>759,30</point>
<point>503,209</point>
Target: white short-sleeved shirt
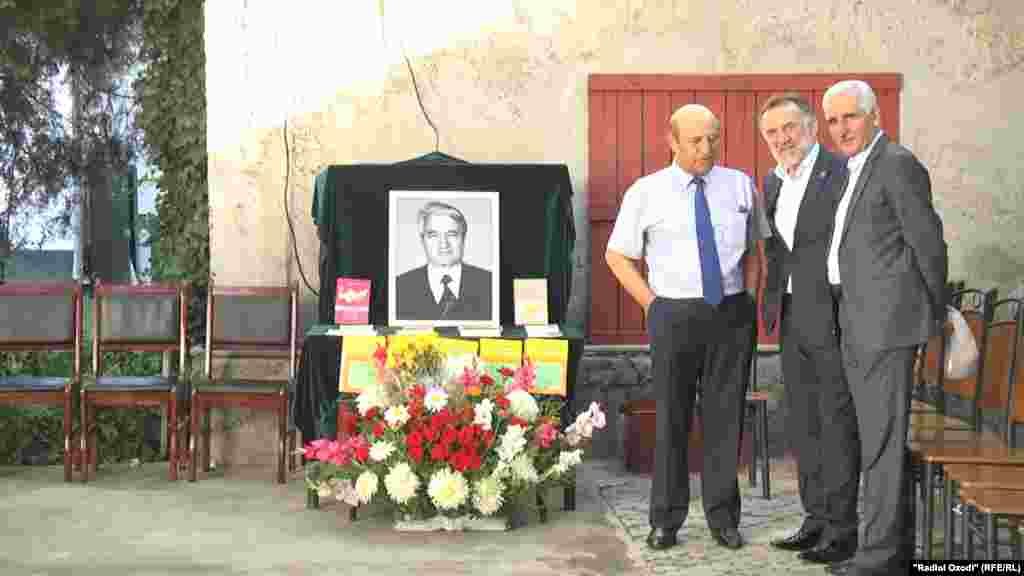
<point>657,221</point>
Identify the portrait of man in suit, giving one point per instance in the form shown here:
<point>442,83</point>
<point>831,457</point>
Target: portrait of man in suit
<point>446,289</point>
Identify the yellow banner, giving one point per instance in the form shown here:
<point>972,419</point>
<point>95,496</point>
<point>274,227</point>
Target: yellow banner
<point>357,367</point>
<point>550,359</point>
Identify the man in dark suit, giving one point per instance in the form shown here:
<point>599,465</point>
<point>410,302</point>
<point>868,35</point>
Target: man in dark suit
<point>446,288</point>
<point>801,195</point>
<point>887,263</point>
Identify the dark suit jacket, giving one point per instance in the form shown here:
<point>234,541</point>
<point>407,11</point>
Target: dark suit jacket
<point>892,255</point>
<point>415,301</point>
<point>811,319</point>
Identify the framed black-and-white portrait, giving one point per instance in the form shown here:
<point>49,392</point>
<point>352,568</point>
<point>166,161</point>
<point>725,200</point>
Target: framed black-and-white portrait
<point>443,258</point>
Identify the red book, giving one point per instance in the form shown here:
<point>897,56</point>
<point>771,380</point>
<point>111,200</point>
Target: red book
<point>352,301</point>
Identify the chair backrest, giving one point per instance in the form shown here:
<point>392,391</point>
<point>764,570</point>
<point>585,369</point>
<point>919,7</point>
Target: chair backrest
<point>139,318</point>
<point>251,321</point>
<point>1014,384</point>
<point>1000,350</point>
<point>42,317</point>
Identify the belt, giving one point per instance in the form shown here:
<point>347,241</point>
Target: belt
<point>837,291</point>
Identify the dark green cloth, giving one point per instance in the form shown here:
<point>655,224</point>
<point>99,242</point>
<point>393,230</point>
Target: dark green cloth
<point>538,236</point>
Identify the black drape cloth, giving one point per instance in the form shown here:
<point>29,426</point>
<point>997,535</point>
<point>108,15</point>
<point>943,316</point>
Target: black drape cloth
<point>350,209</point>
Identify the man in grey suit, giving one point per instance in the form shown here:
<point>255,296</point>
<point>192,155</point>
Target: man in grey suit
<point>801,195</point>
<point>887,264</point>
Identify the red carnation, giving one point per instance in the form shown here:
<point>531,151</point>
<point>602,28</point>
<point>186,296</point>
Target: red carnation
<point>378,429</point>
<point>486,380</point>
<point>450,435</point>
<point>371,414</point>
<point>517,421</point>
<point>502,401</point>
<point>416,453</point>
<point>439,452</point>
<point>362,452</point>
<point>466,436</point>
<point>506,371</point>
<point>488,438</point>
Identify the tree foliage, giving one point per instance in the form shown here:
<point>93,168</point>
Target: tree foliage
<point>46,48</point>
<point>171,93</point>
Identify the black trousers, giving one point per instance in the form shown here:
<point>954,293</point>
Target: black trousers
<point>693,342</point>
<point>821,422</point>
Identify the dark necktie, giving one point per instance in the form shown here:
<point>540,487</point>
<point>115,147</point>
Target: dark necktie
<point>710,267</point>
<point>447,297</point>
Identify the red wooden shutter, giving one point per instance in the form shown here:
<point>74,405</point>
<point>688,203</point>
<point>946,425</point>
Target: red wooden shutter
<point>628,124</point>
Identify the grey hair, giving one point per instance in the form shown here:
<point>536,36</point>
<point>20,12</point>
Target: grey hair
<point>866,100</point>
<point>434,208</point>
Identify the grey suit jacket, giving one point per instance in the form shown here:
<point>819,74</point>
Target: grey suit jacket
<point>892,255</point>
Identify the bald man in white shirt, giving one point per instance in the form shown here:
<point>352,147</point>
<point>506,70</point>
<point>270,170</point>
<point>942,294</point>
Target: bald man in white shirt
<point>698,226</point>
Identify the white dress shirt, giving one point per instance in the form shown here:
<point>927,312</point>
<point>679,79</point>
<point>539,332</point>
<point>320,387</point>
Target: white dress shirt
<point>855,165</point>
<point>434,276</point>
<point>657,222</point>
<point>791,195</point>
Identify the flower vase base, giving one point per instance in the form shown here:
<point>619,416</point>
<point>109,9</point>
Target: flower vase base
<point>456,524</point>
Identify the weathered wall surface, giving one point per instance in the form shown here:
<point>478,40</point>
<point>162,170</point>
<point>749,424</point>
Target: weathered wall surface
<point>507,83</point>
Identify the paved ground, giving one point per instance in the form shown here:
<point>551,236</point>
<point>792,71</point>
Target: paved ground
<point>133,521</point>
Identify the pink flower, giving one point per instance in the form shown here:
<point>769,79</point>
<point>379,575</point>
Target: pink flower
<point>546,434</point>
<point>470,377</point>
<point>523,378</point>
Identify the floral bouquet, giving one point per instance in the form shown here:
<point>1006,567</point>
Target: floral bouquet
<point>438,435</point>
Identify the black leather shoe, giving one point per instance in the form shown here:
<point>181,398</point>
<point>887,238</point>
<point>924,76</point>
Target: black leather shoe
<point>661,538</point>
<point>840,568</point>
<point>831,551</point>
<point>803,539</point>
<point>728,537</point>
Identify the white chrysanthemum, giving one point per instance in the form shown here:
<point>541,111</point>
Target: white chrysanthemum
<point>366,486</point>
<point>487,498</point>
<point>566,460</point>
<point>345,492</point>
<point>523,469</point>
<point>371,397</point>
<point>436,399</point>
<point>512,442</point>
<point>401,483</point>
<point>522,405</point>
<point>380,450</point>
<point>483,413</point>
<point>448,489</point>
<point>455,364</point>
<point>396,416</point>
<point>324,490</point>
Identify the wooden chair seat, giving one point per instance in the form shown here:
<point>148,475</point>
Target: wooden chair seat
<point>244,387</point>
<point>130,384</point>
<point>936,420</point>
<point>986,477</point>
<point>20,382</point>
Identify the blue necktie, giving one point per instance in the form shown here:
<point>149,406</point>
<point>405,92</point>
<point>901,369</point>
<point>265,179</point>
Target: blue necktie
<point>710,267</point>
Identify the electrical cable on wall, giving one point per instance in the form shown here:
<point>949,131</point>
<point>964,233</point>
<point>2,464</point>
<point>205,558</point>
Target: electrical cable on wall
<point>416,87</point>
<point>287,213</point>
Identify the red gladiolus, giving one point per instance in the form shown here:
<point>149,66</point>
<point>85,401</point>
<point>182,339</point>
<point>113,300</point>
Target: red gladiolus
<point>466,436</point>
<point>488,438</point>
<point>414,439</point>
<point>416,453</point>
<point>517,421</point>
<point>378,429</point>
<point>474,461</point>
<point>371,414</point>
<point>501,401</point>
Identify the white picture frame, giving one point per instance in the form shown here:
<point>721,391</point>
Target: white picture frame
<point>412,301</point>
